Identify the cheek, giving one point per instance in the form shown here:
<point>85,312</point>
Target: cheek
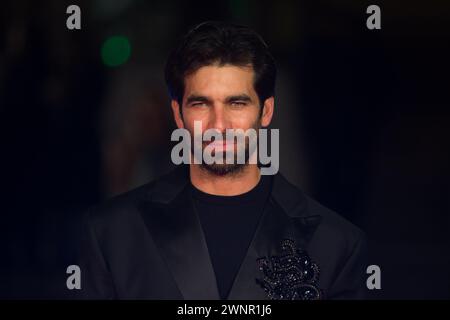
<point>247,120</point>
<point>189,124</point>
<point>190,116</point>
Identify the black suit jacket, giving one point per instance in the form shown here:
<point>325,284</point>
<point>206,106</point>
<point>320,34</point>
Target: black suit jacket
<point>149,244</point>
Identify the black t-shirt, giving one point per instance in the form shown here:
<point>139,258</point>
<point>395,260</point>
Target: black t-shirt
<point>229,224</point>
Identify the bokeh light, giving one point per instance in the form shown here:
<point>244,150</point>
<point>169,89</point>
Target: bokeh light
<point>115,51</point>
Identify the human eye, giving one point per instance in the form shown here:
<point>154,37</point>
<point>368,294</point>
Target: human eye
<point>238,103</point>
<point>198,104</point>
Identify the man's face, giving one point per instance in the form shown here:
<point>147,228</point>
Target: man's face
<point>221,98</point>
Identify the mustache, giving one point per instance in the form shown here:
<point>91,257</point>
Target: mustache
<point>222,139</point>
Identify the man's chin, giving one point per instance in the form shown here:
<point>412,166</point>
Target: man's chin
<point>223,169</point>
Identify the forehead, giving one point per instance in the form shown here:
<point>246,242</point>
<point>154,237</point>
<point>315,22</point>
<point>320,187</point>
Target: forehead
<point>220,80</point>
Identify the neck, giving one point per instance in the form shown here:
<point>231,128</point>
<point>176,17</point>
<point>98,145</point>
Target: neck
<point>228,185</point>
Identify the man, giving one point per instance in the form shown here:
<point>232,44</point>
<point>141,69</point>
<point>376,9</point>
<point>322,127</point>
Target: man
<point>220,230</point>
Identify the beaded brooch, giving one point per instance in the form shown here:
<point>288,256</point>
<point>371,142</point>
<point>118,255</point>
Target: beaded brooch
<point>292,275</point>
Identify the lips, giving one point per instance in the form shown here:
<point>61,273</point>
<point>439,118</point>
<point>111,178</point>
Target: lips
<point>221,145</point>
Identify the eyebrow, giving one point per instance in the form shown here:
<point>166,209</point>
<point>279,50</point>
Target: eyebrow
<point>199,98</point>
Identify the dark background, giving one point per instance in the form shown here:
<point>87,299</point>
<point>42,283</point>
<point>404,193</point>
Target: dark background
<point>363,118</point>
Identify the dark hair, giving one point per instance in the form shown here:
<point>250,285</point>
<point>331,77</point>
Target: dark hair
<point>221,43</point>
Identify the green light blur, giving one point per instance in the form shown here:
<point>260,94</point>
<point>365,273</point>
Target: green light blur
<point>115,51</point>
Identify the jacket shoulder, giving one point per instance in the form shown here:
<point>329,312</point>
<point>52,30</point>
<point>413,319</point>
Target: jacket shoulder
<point>331,225</point>
<point>334,223</point>
<point>125,205</point>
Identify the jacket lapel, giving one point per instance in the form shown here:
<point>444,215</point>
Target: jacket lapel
<point>177,232</point>
<point>285,217</point>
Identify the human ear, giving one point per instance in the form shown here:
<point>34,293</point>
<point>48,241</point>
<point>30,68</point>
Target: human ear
<point>267,112</point>
<point>176,110</point>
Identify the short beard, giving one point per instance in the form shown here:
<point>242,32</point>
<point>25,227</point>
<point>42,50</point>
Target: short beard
<point>233,169</point>
<point>224,169</point>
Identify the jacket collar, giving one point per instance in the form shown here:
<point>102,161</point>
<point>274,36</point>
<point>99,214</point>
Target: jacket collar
<point>289,197</point>
<point>175,227</point>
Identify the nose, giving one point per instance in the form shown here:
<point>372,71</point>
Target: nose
<point>219,119</point>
